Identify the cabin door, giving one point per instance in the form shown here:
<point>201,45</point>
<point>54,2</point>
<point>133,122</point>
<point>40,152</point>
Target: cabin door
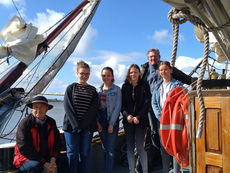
<point>213,149</point>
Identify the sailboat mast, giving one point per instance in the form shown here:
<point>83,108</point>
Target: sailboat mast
<point>61,27</point>
<point>12,76</point>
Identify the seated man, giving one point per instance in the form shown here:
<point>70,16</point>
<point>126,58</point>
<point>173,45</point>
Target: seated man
<point>37,140</point>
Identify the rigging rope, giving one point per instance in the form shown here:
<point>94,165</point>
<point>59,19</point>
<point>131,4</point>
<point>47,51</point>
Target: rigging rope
<point>177,17</point>
<point>175,22</point>
<point>17,9</point>
<point>199,86</point>
<point>10,115</point>
<point>56,23</point>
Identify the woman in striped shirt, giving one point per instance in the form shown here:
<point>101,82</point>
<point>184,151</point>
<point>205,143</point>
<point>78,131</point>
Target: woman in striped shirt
<point>80,121</point>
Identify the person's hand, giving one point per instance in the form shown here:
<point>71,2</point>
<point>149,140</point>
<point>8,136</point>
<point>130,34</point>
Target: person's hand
<point>130,118</point>
<point>135,120</point>
<point>50,167</point>
<point>47,167</point>
<point>110,128</point>
<point>99,127</point>
<point>53,164</point>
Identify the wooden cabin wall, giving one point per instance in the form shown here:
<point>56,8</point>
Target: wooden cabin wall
<point>211,153</point>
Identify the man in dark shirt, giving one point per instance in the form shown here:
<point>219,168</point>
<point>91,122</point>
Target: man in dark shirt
<point>150,73</point>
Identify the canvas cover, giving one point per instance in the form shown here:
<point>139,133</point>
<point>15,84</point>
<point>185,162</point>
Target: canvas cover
<point>20,40</point>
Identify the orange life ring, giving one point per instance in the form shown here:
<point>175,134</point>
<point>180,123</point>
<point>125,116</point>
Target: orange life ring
<point>180,131</point>
<point>166,118</point>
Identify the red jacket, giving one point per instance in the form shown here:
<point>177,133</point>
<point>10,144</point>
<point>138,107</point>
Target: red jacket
<point>27,141</point>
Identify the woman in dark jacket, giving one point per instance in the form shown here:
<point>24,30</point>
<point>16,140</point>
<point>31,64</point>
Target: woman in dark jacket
<point>80,121</point>
<point>135,104</point>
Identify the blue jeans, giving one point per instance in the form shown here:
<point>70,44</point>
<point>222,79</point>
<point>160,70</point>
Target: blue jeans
<point>31,166</point>
<point>136,135</point>
<point>108,141</point>
<point>78,150</point>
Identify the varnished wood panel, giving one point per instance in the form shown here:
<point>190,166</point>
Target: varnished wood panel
<point>225,108</point>
<point>213,159</point>
<point>214,169</point>
<point>212,93</point>
<point>213,131</point>
<point>200,144</point>
<point>211,153</point>
<point>209,102</point>
<point>213,149</point>
<point>192,135</point>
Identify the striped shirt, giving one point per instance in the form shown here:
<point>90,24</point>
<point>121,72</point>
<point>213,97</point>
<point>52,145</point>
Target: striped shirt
<point>82,99</point>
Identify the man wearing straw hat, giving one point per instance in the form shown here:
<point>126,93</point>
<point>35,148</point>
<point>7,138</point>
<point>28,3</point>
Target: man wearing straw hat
<point>37,139</point>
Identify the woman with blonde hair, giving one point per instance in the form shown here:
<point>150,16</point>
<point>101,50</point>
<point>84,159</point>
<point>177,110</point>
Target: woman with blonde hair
<point>80,120</point>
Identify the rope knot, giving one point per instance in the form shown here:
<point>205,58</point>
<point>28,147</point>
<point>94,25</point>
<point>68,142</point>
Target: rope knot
<point>176,16</point>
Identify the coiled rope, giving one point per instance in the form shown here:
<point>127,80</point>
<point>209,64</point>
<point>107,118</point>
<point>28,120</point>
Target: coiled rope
<point>177,17</point>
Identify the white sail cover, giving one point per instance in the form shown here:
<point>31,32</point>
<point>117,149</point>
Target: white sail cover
<point>214,45</point>
<point>20,40</point>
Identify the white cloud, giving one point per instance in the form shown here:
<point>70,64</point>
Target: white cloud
<point>119,70</point>
<point>46,19</point>
<point>164,37</point>
<point>161,36</point>
<point>104,55</point>
<point>8,3</point>
<point>57,87</point>
<point>86,41</point>
<point>20,4</point>
<point>185,62</point>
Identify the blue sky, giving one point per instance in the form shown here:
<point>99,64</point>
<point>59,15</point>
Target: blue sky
<point>121,33</point>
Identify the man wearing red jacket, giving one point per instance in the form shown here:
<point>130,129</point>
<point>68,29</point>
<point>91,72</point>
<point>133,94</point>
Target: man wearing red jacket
<point>37,140</point>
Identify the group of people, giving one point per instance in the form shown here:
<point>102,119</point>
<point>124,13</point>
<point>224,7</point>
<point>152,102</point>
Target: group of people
<point>87,109</point>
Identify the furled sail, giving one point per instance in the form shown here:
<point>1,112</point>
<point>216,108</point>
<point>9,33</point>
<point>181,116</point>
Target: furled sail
<point>20,40</point>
